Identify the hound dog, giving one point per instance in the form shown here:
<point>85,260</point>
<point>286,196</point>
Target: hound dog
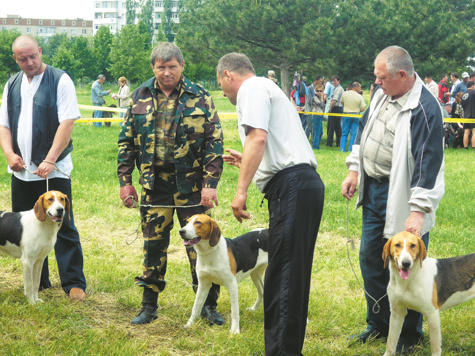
<point>225,262</point>
<point>31,235</point>
<point>426,285</point>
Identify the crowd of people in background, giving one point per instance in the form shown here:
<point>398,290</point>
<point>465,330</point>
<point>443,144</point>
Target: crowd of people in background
<point>458,102</point>
<point>325,96</point>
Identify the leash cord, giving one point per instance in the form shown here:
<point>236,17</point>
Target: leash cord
<point>138,205</point>
<point>376,306</point>
<point>47,179</point>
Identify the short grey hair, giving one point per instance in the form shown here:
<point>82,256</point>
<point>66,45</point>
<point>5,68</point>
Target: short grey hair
<point>235,62</point>
<point>397,58</point>
<point>271,73</point>
<point>166,51</point>
<point>101,76</point>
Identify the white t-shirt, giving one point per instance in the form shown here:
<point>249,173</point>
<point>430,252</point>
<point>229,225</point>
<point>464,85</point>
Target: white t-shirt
<point>67,105</point>
<point>263,105</point>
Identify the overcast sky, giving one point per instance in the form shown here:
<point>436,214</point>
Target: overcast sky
<point>48,9</point>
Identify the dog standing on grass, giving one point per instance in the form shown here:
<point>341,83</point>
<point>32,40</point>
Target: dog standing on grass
<point>426,285</point>
<point>225,262</point>
<point>31,235</point>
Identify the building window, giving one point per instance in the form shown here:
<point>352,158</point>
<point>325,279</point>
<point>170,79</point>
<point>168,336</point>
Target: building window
<point>16,21</point>
<point>28,22</point>
<point>158,3</point>
<point>175,15</point>
<point>73,23</point>
<point>63,23</point>
<point>84,24</point>
<point>84,32</point>
<point>4,21</point>
<point>52,22</point>
<point>40,22</point>
<point>73,32</point>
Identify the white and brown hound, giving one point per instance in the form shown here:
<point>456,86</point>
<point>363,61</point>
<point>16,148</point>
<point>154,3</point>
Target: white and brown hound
<point>426,285</point>
<point>225,262</point>
<point>31,235</point>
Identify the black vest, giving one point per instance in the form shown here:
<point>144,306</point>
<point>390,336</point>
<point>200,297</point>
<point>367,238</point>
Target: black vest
<point>45,114</point>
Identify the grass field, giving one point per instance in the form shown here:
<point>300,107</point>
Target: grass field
<point>113,257</point>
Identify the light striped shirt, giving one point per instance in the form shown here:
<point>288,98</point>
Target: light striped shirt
<point>378,149</point>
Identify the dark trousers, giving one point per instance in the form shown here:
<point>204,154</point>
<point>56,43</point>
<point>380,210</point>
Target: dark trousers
<point>157,223</point>
<point>67,249</point>
<point>334,127</point>
<point>295,200</point>
<point>375,276</point>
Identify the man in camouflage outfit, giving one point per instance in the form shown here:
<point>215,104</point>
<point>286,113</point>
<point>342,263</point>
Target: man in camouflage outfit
<point>173,135</point>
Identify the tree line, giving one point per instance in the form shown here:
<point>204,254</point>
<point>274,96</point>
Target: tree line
<point>324,37</point>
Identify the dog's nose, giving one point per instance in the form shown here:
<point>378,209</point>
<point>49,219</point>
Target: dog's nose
<point>182,233</point>
<point>406,264</point>
<point>60,211</point>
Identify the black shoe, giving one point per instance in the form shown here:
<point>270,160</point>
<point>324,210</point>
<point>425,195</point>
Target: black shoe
<point>210,313</point>
<point>146,315</point>
<point>367,336</point>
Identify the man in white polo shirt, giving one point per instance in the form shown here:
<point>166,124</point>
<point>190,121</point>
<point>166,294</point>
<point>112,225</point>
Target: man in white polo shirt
<point>279,159</point>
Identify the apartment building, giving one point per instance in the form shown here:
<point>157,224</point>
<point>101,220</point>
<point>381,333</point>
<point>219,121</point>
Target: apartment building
<point>46,27</point>
<point>112,13</point>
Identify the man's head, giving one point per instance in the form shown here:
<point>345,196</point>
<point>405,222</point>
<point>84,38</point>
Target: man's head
<point>270,74</point>
<point>428,79</point>
<point>444,77</point>
<point>465,77</point>
<point>122,81</point>
<point>232,70</point>
<point>101,78</point>
<point>28,55</point>
<point>394,71</point>
<point>470,84</point>
<point>454,76</point>
<point>356,87</point>
<point>472,76</point>
<point>317,81</point>
<point>167,65</point>
<point>336,80</point>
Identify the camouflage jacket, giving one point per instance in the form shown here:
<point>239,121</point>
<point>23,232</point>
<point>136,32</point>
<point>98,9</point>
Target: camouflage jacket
<point>198,139</point>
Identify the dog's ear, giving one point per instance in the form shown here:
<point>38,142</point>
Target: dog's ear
<point>68,206</point>
<point>215,234</point>
<point>386,252</point>
<point>39,209</point>
<point>422,250</point>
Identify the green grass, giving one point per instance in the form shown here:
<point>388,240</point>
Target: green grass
<point>113,257</point>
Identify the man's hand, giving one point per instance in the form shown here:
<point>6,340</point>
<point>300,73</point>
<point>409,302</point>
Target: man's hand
<point>44,169</point>
<point>415,222</point>
<point>208,197</point>
<point>348,187</point>
<point>233,158</point>
<point>239,206</point>
<point>128,195</point>
<point>15,162</point>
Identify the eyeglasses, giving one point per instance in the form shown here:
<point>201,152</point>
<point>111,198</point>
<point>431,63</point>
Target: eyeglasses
<point>319,91</point>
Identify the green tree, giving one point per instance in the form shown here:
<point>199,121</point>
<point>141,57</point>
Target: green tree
<point>146,15</point>
<point>431,31</point>
<point>65,60</point>
<point>82,51</point>
<point>9,65</point>
<point>131,9</point>
<point>271,33</point>
<point>167,21</point>
<point>51,45</point>
<point>101,51</point>
<point>131,53</point>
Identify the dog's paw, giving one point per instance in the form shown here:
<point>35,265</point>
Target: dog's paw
<point>189,324</point>
<point>235,331</point>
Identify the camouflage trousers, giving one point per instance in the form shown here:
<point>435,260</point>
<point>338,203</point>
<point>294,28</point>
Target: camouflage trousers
<point>157,223</point>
